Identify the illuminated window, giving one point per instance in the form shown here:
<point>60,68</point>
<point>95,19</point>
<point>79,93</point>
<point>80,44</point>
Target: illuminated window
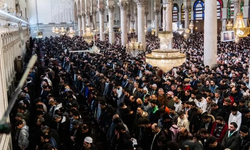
<point>199,10</point>
<point>219,6</point>
<point>175,13</point>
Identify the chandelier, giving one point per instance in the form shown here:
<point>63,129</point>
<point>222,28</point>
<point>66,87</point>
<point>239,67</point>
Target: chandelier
<point>71,32</point>
<point>88,35</point>
<point>191,25</point>
<point>229,26</point>
<point>240,30</point>
<point>39,34</point>
<point>131,30</point>
<point>134,48</point>
<point>165,58</point>
<point>180,30</point>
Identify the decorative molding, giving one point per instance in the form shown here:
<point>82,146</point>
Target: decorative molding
<point>141,3</point>
<point>111,8</point>
<point>123,5</point>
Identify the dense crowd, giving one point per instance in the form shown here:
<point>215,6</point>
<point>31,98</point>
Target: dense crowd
<point>132,104</point>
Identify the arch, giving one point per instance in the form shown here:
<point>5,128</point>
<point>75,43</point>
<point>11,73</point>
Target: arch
<point>183,13</point>
<point>175,13</point>
<point>219,6</point>
<point>199,10</point>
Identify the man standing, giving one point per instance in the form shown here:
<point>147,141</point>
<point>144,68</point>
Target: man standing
<point>23,141</point>
<point>232,139</point>
<point>245,138</point>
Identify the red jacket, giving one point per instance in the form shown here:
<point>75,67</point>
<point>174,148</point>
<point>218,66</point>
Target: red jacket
<point>223,132</point>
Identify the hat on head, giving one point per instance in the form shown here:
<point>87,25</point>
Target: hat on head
<point>88,139</point>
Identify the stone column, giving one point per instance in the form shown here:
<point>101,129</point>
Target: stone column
<point>245,14</point>
<point>156,12</point>
<point>94,8</point>
<point>87,12</point>
<point>167,15</point>
<point>179,16</point>
<point>128,20</point>
<point>141,22</point>
<point>236,8</point>
<point>83,23</point>
<point>123,7</point>
<point>101,19</point>
<point>210,34</point>
<point>187,7</point>
<point>146,14</point>
<point>136,20</point>
<point>79,25</point>
<point>224,19</point>
<point>111,7</point>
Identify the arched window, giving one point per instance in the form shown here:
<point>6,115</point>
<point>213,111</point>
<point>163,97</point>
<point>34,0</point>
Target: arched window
<point>175,13</point>
<point>199,10</point>
<point>219,6</point>
<point>183,13</point>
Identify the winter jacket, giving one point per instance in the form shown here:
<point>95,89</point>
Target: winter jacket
<point>23,141</point>
<point>232,142</point>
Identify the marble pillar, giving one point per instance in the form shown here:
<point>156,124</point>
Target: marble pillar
<point>101,10</point>
<point>186,17</point>
<point>245,15</point>
<point>87,12</point>
<point>83,23</point>
<point>167,13</point>
<point>79,25</point>
<point>224,19</point>
<point>156,13</point>
<point>210,34</point>
<point>111,7</point>
<point>136,20</point>
<point>141,22</point>
<point>123,8</point>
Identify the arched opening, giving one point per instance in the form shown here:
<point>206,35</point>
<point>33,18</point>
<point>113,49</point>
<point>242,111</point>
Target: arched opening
<point>175,13</point>
<point>219,6</point>
<point>199,10</point>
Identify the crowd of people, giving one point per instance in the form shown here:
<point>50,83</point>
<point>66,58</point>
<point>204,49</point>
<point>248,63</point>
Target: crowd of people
<point>132,104</point>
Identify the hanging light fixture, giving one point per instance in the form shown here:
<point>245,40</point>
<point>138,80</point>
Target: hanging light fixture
<point>229,26</point>
<point>165,58</point>
<point>191,25</point>
<point>71,32</point>
<point>240,28</point>
<point>134,48</point>
<point>88,35</point>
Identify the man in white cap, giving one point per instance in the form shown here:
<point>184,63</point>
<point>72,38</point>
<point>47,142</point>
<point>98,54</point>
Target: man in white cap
<point>87,144</point>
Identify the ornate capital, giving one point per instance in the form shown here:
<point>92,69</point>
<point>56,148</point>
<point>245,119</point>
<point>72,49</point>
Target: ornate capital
<point>79,15</point>
<point>111,8</point>
<point>157,11</point>
<point>141,3</point>
<point>123,5</point>
<point>101,10</point>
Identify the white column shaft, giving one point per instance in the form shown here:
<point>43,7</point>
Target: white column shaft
<point>186,18</point>
<point>156,24</point>
<point>210,33</point>
<point>124,27</point>
<point>83,24</point>
<point>79,26</point>
<point>111,24</point>
<point>101,23</point>
<point>94,20</point>
<point>141,25</point>
<point>224,19</point>
<point>246,14</point>
<point>168,18</point>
